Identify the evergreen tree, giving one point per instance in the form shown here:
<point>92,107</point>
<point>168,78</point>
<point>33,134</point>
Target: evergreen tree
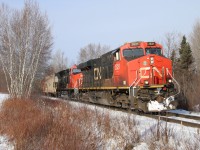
<point>173,57</point>
<point>185,54</point>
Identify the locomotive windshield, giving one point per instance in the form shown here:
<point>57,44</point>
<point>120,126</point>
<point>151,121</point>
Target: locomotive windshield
<point>130,54</point>
<point>76,71</point>
<point>156,51</point>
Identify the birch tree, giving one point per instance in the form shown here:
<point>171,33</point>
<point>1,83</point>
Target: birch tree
<point>25,43</point>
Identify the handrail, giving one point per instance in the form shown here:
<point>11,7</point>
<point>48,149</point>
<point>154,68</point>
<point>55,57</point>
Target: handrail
<point>175,82</point>
<point>136,79</point>
<point>141,78</point>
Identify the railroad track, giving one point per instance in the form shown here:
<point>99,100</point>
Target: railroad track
<point>182,119</point>
<point>186,120</point>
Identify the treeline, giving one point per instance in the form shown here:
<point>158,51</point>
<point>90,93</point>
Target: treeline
<point>185,55</point>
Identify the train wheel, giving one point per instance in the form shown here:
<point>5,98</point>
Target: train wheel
<point>142,106</point>
<point>123,100</point>
<point>58,94</point>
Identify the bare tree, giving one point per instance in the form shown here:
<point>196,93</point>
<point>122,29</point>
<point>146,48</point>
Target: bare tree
<point>195,44</point>
<point>59,61</point>
<point>3,86</point>
<point>171,43</point>
<point>25,44</point>
<point>92,51</point>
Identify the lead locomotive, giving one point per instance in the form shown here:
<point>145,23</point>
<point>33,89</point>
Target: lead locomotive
<point>136,75</point>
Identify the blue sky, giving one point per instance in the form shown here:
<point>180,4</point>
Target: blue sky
<point>76,23</point>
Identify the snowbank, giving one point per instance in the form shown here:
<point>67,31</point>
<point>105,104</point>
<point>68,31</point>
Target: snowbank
<point>185,112</point>
<point>3,97</point>
<point>4,143</point>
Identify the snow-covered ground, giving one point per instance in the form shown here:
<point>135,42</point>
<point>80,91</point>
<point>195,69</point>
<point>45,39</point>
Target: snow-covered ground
<point>179,136</point>
<point>184,112</point>
<point>3,97</point>
<point>4,143</point>
<point>145,126</point>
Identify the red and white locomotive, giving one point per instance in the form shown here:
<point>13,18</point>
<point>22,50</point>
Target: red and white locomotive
<point>136,75</point>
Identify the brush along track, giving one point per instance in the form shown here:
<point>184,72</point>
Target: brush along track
<point>185,120</point>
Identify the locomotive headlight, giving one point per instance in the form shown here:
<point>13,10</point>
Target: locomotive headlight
<point>151,60</point>
<point>170,80</point>
<point>146,82</point>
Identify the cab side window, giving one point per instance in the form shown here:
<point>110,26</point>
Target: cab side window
<point>117,55</point>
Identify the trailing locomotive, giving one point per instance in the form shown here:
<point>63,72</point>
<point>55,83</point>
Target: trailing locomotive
<point>136,75</point>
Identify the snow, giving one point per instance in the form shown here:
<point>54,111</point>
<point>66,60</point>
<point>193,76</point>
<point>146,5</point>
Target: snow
<point>155,106</point>
<point>4,142</point>
<point>145,126</point>
<point>3,97</point>
<point>141,146</point>
<point>185,112</point>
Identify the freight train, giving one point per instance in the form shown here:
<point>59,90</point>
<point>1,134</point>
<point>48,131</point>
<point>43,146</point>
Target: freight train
<point>136,75</point>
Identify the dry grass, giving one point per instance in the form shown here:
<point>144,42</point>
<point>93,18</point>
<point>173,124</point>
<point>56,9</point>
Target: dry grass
<point>58,125</point>
<point>24,122</point>
<point>160,135</point>
<point>71,129</point>
<point>42,125</point>
<point>166,138</point>
<point>192,143</point>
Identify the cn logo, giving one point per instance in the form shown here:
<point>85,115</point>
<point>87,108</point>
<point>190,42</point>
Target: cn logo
<point>117,66</point>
